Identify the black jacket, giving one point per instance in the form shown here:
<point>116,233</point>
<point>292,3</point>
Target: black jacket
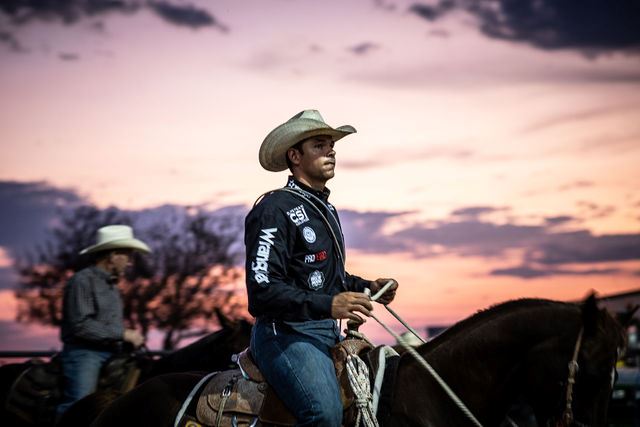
<point>293,266</point>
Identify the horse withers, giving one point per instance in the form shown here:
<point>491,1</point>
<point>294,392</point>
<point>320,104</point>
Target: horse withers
<point>518,351</point>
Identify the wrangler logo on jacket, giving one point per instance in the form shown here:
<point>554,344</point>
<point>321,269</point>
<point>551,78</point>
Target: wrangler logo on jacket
<point>260,266</point>
<point>293,265</point>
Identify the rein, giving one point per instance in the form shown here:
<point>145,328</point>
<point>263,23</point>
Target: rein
<point>567,414</point>
<point>420,359</point>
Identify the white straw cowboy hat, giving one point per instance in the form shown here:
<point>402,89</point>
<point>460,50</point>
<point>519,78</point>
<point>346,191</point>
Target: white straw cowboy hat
<point>305,124</point>
<point>116,237</point>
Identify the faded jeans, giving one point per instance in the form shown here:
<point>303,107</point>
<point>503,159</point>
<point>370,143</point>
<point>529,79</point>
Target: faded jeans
<point>296,362</point>
<point>81,370</point>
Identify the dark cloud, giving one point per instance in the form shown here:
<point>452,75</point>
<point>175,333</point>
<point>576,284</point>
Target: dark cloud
<point>475,211</point>
<point>590,210</point>
<point>68,56</point>
<point>68,12</point>
<point>526,272</point>
<point>365,231</point>
<point>583,247</point>
<point>17,13</point>
<point>540,243</point>
<point>385,5</point>
<point>364,48</point>
<point>557,220</point>
<point>183,15</point>
<point>468,237</point>
<point>592,27</point>
<point>28,210</point>
<point>432,12</point>
<point>11,42</point>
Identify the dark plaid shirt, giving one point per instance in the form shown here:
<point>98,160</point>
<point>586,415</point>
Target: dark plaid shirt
<point>92,309</point>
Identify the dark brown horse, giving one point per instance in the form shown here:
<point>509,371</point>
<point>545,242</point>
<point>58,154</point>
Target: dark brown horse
<point>212,352</point>
<point>514,352</point>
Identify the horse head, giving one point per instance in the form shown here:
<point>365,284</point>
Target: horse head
<point>570,376</point>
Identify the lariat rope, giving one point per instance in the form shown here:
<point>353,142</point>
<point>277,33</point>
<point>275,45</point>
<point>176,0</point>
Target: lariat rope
<point>419,358</point>
<point>400,340</point>
<point>358,375</point>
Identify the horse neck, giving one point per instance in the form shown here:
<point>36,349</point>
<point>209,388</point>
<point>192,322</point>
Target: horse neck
<point>195,356</point>
<point>481,357</point>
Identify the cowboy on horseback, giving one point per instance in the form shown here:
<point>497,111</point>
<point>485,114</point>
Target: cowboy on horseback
<point>296,280</point>
<point>92,318</point>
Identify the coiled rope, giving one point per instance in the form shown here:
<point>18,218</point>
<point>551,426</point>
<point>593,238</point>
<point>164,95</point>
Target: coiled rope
<point>358,375</point>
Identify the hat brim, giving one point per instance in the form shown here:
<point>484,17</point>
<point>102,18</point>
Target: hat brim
<point>272,154</point>
<point>135,244</point>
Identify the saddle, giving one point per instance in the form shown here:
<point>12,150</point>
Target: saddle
<point>37,391</point>
<point>242,397</point>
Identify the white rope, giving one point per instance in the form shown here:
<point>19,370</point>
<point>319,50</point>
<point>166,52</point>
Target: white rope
<point>187,401</point>
<point>420,359</point>
<point>379,294</point>
<point>358,375</point>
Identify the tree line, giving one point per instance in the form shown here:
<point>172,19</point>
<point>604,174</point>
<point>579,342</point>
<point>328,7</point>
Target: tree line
<point>176,289</point>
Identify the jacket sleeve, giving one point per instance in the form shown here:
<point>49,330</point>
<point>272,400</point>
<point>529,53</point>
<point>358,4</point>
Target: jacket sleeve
<point>81,313</point>
<point>269,240</point>
<point>356,283</point>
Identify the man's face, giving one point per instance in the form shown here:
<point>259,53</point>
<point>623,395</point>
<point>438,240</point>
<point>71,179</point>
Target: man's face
<point>318,161</point>
<point>120,260</point>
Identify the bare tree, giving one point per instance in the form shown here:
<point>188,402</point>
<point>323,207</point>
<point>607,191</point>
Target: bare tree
<point>175,289</point>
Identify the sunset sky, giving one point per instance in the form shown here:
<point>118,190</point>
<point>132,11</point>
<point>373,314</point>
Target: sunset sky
<point>497,153</point>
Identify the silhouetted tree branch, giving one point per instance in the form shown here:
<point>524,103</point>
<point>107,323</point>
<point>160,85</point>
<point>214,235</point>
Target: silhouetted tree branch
<point>175,289</point>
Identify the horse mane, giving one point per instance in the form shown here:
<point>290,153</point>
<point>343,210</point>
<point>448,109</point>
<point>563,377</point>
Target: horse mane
<point>491,313</point>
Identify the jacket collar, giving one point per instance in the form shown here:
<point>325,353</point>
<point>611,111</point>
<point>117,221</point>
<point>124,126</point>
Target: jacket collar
<point>322,195</point>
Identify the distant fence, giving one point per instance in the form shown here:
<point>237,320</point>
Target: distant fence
<point>27,354</point>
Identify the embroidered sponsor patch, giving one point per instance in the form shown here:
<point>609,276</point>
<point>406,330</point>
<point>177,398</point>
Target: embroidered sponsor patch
<point>309,234</point>
<point>318,256</point>
<point>316,280</point>
<point>260,265</point>
<point>298,215</point>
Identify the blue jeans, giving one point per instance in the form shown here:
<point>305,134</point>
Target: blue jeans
<point>81,371</point>
<point>296,362</point>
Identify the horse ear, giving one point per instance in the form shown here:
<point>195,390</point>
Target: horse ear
<point>590,313</point>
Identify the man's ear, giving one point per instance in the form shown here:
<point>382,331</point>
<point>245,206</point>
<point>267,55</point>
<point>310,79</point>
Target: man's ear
<point>294,156</point>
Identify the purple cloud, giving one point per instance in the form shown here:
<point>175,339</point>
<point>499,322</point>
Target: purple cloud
<point>527,272</point>
<point>475,211</point>
<point>363,48</point>
<point>18,13</point>
<point>364,231</point>
<point>594,27</point>
<point>28,210</point>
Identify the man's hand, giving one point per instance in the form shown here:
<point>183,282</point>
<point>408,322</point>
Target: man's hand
<point>346,305</point>
<point>389,295</point>
<point>134,337</point>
